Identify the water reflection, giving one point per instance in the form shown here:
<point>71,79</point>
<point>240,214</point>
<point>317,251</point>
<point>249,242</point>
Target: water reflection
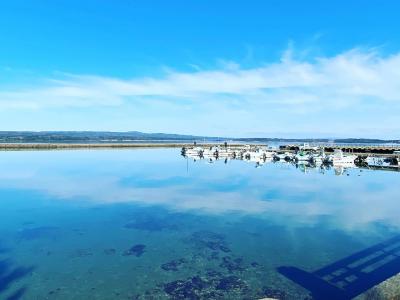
<point>127,223</point>
<point>258,162</point>
<point>161,177</point>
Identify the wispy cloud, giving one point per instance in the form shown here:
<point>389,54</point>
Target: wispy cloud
<point>349,76</point>
<point>353,79</point>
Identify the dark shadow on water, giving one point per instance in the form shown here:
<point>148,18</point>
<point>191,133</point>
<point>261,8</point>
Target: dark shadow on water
<point>9,273</point>
<point>352,275</point>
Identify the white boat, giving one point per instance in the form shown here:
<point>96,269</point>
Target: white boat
<point>375,161</point>
<point>307,147</point>
<point>269,154</point>
<point>210,152</point>
<point>196,151</point>
<point>254,155</point>
<point>302,156</point>
<point>318,158</point>
<point>224,153</point>
<point>339,158</point>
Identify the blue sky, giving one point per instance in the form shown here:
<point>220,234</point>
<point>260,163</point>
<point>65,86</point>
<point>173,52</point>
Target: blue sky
<point>233,68</point>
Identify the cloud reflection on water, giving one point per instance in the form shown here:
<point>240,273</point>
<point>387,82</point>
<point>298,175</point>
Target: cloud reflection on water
<point>282,194</point>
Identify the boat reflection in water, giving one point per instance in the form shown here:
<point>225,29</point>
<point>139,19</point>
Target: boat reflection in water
<point>259,159</point>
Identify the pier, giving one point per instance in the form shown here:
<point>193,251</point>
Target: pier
<point>360,149</point>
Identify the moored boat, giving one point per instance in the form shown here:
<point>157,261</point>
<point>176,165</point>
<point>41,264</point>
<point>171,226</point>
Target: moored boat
<point>339,158</point>
<point>302,156</point>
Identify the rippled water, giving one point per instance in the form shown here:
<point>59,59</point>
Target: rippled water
<point>149,224</point>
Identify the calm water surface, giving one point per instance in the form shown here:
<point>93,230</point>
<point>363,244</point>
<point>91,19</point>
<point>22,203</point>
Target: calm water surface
<point>148,224</point>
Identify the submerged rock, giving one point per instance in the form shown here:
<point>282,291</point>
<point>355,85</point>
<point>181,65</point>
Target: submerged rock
<point>173,265</point>
<point>210,240</point>
<point>273,293</point>
<point>192,288</point>
<point>136,250</point>
<point>255,264</point>
<point>215,286</point>
<point>232,264</point>
<point>230,282</point>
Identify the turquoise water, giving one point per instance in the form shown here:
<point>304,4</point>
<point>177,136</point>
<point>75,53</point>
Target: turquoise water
<point>149,224</point>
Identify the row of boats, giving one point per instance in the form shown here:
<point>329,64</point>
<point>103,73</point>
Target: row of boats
<point>305,155</point>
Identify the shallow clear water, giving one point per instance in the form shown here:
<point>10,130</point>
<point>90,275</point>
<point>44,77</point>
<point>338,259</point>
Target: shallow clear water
<point>149,224</point>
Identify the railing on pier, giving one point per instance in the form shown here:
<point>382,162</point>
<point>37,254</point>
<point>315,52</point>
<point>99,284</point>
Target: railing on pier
<point>350,276</point>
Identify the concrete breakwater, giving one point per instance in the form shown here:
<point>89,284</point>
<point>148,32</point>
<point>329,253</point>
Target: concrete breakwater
<point>59,146</point>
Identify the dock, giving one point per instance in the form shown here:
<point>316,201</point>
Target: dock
<point>361,149</point>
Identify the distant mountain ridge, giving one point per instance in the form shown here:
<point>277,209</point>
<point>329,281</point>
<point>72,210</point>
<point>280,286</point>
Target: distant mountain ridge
<point>135,136</point>
<point>92,136</point>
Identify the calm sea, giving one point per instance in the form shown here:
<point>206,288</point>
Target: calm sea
<point>150,224</point>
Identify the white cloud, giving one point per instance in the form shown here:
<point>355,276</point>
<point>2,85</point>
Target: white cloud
<point>340,80</point>
<point>306,94</point>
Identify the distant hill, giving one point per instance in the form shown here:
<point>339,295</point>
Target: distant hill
<point>92,136</point>
<point>137,136</point>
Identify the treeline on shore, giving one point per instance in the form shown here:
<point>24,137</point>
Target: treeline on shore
<point>136,136</point>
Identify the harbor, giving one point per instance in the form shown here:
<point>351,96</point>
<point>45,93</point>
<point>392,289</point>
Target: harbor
<point>306,155</point>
